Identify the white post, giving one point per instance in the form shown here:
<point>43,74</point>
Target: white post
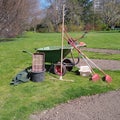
<point>62,41</point>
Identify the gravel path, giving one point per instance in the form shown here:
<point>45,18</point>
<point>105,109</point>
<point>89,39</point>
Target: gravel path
<point>104,64</point>
<point>107,51</point>
<point>97,107</point>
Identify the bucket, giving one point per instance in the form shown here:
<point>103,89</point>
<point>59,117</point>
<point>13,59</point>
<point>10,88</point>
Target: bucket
<point>85,71</point>
<point>37,76</point>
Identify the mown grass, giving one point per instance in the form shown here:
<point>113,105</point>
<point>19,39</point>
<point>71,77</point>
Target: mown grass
<point>101,40</point>
<point>18,102</point>
<point>106,56</point>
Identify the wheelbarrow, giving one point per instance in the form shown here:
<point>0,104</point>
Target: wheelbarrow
<point>53,58</point>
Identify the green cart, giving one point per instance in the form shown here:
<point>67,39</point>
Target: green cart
<point>53,58</point>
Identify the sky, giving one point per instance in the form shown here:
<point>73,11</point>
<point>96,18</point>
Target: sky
<point>43,3</point>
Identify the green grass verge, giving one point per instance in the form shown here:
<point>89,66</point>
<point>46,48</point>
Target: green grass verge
<point>18,102</point>
<point>94,55</point>
<point>102,40</point>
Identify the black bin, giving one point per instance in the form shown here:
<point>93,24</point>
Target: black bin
<point>37,76</point>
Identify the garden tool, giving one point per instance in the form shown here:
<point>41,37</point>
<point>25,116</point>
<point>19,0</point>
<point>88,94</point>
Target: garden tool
<point>94,76</point>
<point>82,44</point>
<point>106,77</point>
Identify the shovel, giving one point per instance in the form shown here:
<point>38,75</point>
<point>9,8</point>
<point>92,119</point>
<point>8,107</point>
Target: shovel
<point>106,77</point>
<point>95,77</point>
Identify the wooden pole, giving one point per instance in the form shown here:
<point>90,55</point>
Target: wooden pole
<point>62,41</point>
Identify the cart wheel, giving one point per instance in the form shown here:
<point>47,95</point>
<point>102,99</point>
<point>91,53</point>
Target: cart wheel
<point>68,63</point>
<point>57,69</point>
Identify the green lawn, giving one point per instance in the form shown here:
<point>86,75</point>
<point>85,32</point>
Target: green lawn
<point>18,102</point>
<point>101,40</point>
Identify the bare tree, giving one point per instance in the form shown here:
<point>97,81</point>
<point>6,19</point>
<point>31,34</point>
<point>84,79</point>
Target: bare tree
<point>111,13</point>
<point>15,16</point>
<point>54,14</point>
<point>77,12</point>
